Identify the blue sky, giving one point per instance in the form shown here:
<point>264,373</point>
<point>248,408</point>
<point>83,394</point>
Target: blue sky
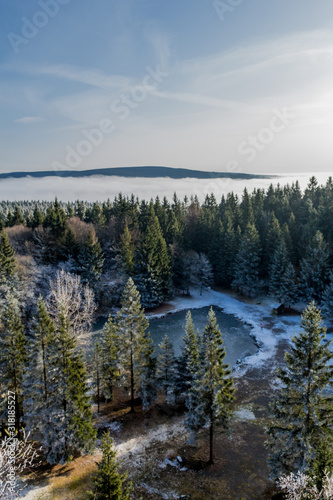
<point>233,85</point>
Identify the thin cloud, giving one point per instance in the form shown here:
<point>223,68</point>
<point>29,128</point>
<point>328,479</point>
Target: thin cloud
<point>27,120</point>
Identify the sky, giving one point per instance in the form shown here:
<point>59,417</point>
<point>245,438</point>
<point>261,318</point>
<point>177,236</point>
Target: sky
<point>223,85</point>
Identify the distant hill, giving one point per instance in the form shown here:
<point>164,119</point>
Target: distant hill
<point>149,172</point>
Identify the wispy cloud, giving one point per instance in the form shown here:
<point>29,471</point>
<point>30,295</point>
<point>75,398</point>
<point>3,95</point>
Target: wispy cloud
<point>27,120</point>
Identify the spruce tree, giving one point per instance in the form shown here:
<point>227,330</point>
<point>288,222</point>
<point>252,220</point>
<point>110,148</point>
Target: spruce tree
<point>90,260</point>
<point>135,346</point>
<point>279,262</point>
<point>302,411</point>
<point>12,356</point>
<point>109,357</point>
<point>109,484</point>
<point>327,302</point>
<point>7,258</point>
<point>213,385</point>
<point>37,218</point>
<point>166,369</point>
<point>289,289</point>
<point>97,372</point>
<point>127,251</point>
<point>246,269</point>
<point>58,405</point>
<point>187,363</point>
<point>314,269</point>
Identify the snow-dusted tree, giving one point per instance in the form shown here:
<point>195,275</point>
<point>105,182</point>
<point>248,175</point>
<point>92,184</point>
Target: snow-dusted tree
<point>127,252</point>
<point>166,369</point>
<point>71,300</point>
<point>97,372</point>
<point>187,363</point>
<point>203,272</point>
<point>26,460</point>
<point>302,411</point>
<point>109,483</point>
<point>12,357</point>
<point>327,301</point>
<point>314,269</point>
<point>70,419</point>
<point>110,343</point>
<point>301,486</point>
<point>135,347</point>
<point>278,265</point>
<point>57,402</point>
<point>213,385</point>
<point>90,260</point>
<point>246,268</point>
<point>289,289</point>
<point>7,258</point>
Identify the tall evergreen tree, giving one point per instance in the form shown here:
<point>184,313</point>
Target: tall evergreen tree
<point>7,258</point>
<point>37,217</point>
<point>213,385</point>
<point>303,410</point>
<point>12,356</point>
<point>289,288</point>
<point>91,260</point>
<point>166,369</point>
<point>279,262</point>
<point>109,484</point>
<point>127,251</point>
<point>110,342</point>
<point>135,347</point>
<point>314,269</point>
<point>327,302</point>
<point>246,270</point>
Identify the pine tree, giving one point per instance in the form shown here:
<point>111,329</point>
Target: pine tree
<point>109,357</point>
<point>246,270</point>
<point>135,345</point>
<point>314,269</point>
<point>302,411</point>
<point>271,240</point>
<point>166,369</point>
<point>17,217</point>
<point>12,355</point>
<point>7,258</point>
<point>91,260</point>
<point>97,372</point>
<point>109,484</point>
<point>213,385</point>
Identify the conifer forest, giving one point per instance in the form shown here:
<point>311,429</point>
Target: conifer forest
<point>129,419</point>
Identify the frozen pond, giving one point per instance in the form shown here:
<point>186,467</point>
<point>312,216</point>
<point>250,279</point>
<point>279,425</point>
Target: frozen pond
<point>236,335</point>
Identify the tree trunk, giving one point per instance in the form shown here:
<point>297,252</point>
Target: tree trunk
<point>211,435</point>
<point>132,385</point>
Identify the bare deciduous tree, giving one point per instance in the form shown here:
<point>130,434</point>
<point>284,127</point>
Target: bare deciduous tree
<point>72,300</point>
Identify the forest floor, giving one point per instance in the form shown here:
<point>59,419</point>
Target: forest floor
<point>148,443</point>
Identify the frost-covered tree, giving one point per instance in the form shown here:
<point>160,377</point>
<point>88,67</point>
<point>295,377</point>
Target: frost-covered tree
<point>7,258</point>
<point>187,363</point>
<point>127,252</point>
<point>289,289</point>
<point>327,301</point>
<point>90,260</point>
<point>278,265</point>
<point>166,369</point>
<point>97,372</point>
<point>109,483</point>
<point>302,411</point>
<point>12,358</point>
<point>57,402</point>
<point>203,272</point>
<point>110,344</point>
<point>135,347</point>
<point>246,268</point>
<point>314,269</point>
<point>70,299</point>
<point>213,386</point>
<point>301,486</point>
